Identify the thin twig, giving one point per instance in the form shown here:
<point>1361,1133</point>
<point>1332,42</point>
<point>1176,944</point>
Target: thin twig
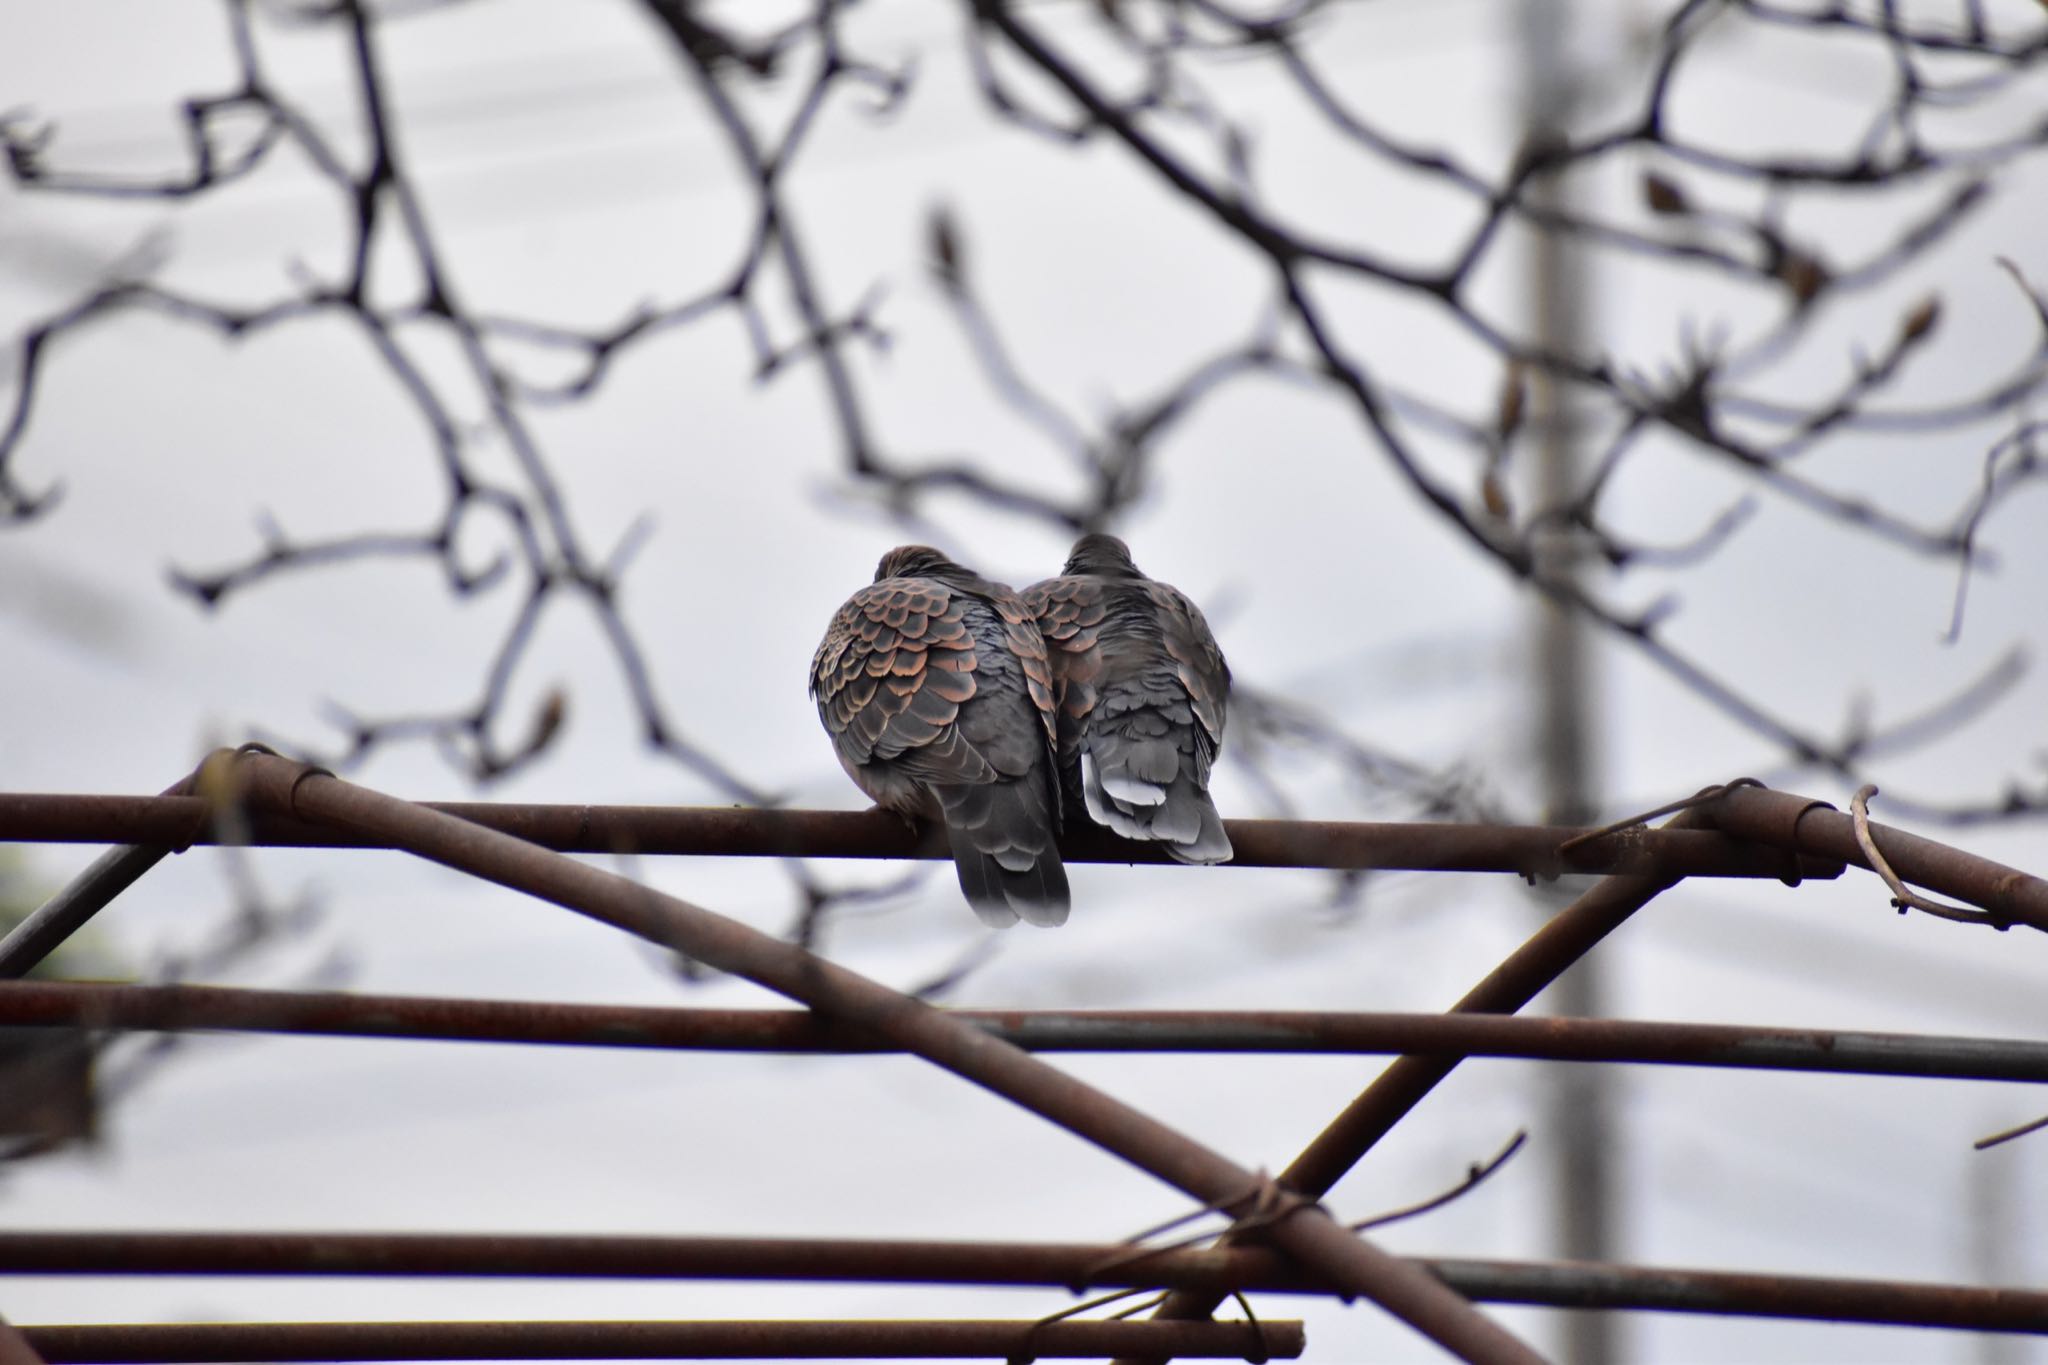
<point>1475,1175</point>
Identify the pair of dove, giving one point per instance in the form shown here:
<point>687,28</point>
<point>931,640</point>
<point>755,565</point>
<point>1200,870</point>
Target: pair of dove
<point>957,699</point>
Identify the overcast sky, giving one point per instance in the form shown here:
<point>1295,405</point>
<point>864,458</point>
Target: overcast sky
<point>572,178</point>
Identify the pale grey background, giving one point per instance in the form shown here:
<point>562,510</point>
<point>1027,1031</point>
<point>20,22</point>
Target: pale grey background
<point>574,178</point>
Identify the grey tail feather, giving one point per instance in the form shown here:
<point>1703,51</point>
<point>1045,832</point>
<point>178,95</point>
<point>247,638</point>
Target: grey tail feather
<point>980,882</point>
<point>1040,895</point>
<point>1185,823</point>
<point>1036,891</point>
<point>1212,845</point>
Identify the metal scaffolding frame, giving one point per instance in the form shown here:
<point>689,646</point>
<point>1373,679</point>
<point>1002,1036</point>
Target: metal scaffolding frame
<point>1281,1240</point>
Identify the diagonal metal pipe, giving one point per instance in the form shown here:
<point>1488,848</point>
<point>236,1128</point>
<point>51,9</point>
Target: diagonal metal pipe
<point>64,914</point>
<point>1520,978</point>
<point>266,783</point>
<point>15,1348</point>
<point>1543,957</point>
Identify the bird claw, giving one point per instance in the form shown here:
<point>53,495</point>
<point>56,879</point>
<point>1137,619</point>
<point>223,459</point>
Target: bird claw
<point>910,822</point>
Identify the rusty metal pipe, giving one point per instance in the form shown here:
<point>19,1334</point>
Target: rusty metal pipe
<point>733,1340</point>
<point>1522,975</point>
<point>14,1347</point>
<point>62,915</point>
<point>1803,826</point>
<point>52,1004</point>
<point>1529,850</point>
<point>1894,1303</point>
<point>1073,1266</point>
<point>271,785</point>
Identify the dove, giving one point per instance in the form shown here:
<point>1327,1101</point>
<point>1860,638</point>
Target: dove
<point>1141,690</point>
<point>934,685</point>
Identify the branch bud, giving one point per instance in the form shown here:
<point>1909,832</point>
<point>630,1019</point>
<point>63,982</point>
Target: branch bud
<point>1920,321</point>
<point>1493,493</point>
<point>1804,275</point>
<point>1514,398</point>
<point>943,241</point>
<point>1663,196</point>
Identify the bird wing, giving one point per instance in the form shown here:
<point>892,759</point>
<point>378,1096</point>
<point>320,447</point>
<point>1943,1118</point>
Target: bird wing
<point>1198,662</point>
<point>895,668</point>
<point>1070,613</point>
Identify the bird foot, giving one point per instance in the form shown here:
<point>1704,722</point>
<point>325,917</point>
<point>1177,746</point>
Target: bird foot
<point>910,822</point>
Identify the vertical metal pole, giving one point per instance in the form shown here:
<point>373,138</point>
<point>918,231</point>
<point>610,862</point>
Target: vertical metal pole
<point>1995,1222</point>
<point>1579,1125</point>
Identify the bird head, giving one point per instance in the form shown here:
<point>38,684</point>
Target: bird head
<point>1101,553</point>
<point>915,561</point>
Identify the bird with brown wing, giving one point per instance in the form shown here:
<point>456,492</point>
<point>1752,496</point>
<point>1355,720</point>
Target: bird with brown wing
<point>1141,691</point>
<point>935,687</point>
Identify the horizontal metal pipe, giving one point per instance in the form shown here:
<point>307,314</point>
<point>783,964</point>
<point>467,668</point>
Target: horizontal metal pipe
<point>851,1340</point>
<point>1893,1303</point>
<point>721,831</point>
<point>180,1008</point>
<point>1075,1266</point>
<point>1803,826</point>
<point>1072,1266</point>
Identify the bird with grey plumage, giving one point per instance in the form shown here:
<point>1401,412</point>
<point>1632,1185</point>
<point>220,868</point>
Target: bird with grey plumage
<point>1141,690</point>
<point>935,687</point>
